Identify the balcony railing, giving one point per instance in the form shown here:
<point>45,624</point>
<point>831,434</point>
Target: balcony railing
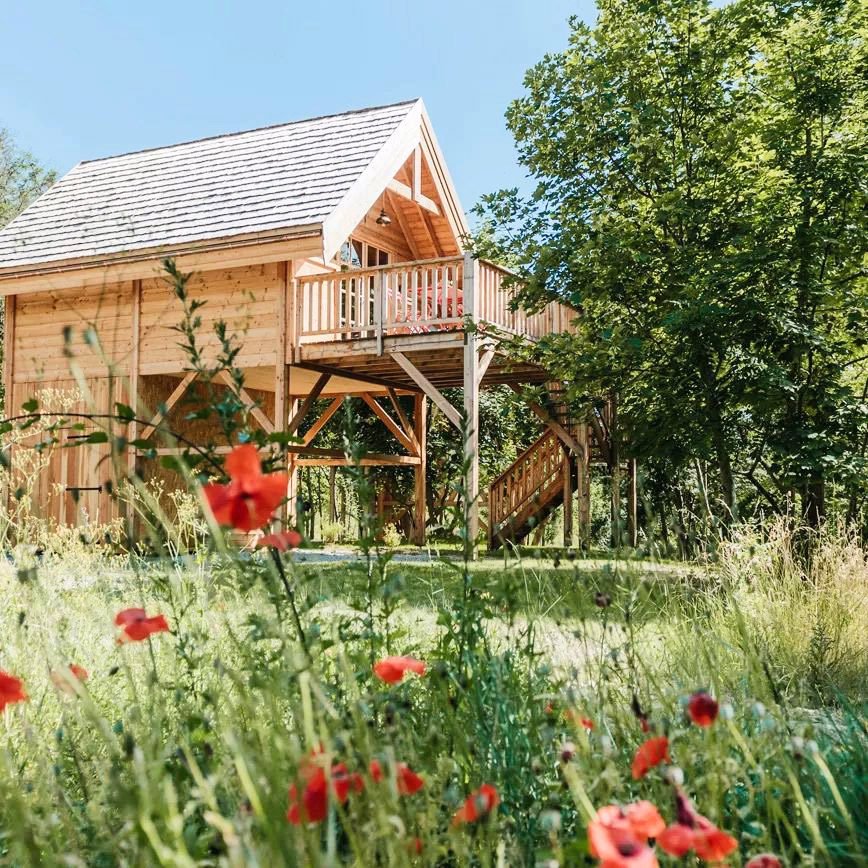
<point>413,298</point>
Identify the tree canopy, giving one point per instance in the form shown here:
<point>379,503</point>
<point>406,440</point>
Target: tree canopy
<point>701,199</point>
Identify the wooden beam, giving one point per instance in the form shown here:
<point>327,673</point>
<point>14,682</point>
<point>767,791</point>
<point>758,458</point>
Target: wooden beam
<point>399,188</point>
<point>372,460</point>
<point>409,429</point>
<point>170,402</point>
<point>297,419</point>
<point>420,495</point>
<point>484,361</point>
<point>398,211</point>
<point>243,395</point>
<point>389,422</point>
<point>429,389</point>
<point>320,423</point>
<point>563,435</point>
<point>417,174</point>
<point>352,375</point>
<point>429,228</point>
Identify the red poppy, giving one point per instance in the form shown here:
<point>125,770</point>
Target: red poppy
<point>392,669</point>
<point>67,679</point>
<point>478,804</point>
<point>649,754</point>
<point>414,845</point>
<point>11,690</point>
<point>702,708</point>
<point>138,626</point>
<point>407,780</point>
<point>283,541</point>
<point>250,498</point>
<point>764,860</point>
<point>618,837</point>
<point>692,831</point>
<point>314,804</point>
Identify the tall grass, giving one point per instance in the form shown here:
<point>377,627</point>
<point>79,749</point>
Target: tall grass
<point>181,749</point>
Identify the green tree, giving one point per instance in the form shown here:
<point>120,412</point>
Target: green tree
<point>22,179</point>
<point>718,269</point>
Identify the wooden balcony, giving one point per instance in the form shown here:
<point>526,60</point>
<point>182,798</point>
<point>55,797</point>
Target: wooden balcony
<point>414,298</point>
<point>358,319</point>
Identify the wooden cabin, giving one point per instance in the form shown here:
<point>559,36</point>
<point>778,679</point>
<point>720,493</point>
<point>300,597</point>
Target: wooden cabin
<point>333,247</point>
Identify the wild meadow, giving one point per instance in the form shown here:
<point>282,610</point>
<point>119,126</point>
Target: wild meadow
<point>239,706</point>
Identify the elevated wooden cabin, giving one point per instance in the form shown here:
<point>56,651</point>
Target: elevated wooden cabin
<point>333,247</point>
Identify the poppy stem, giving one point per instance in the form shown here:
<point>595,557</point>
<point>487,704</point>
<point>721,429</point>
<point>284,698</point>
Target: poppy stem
<point>275,556</point>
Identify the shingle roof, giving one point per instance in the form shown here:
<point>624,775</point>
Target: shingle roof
<point>272,178</point>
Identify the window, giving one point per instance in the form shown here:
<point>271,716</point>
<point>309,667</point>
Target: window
<point>350,255</point>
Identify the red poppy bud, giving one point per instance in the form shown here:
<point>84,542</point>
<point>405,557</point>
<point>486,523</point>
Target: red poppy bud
<point>702,708</point>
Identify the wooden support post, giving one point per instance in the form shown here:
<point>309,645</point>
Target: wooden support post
<point>471,408</point>
<point>583,485</point>
<point>568,496</point>
<point>420,428</point>
<point>133,429</point>
<point>292,471</point>
<point>615,474</point>
<point>9,387</point>
<point>632,505</point>
<point>281,380</point>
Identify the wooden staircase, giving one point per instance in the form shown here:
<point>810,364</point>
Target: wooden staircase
<point>528,491</point>
<point>522,497</point>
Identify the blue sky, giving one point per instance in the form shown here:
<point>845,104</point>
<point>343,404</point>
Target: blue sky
<point>88,78</point>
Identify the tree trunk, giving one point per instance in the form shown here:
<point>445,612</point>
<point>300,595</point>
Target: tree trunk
<point>333,495</point>
<point>718,439</point>
<point>814,502</point>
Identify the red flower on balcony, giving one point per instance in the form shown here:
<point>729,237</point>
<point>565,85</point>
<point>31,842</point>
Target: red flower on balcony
<point>618,836</point>
<point>480,803</point>
<point>692,831</point>
<point>408,781</point>
<point>250,498</point>
<point>11,690</point>
<point>282,541</point>
<point>702,708</point>
<point>137,626</point>
<point>649,754</point>
<point>393,669</point>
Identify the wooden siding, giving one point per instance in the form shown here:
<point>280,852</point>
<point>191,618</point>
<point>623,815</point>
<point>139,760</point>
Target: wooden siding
<point>43,319</point>
<point>245,298</point>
